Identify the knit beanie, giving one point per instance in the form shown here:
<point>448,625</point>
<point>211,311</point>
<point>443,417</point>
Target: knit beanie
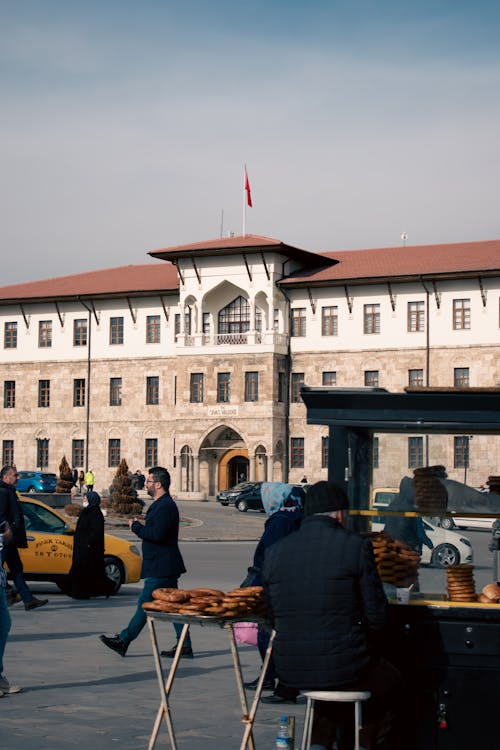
<point>325,497</point>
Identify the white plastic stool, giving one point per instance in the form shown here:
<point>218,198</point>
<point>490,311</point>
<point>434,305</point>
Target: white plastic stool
<point>334,696</point>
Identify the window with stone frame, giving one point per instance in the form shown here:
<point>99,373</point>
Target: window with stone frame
<point>296,383</point>
<point>415,452</point>
<point>415,378</point>
<point>79,392</point>
<point>114,452</point>
<point>44,394</point>
<point>416,317</point>
<point>297,453</point>
<point>78,453</point>
<point>371,378</point>
<point>80,332</point>
<point>298,321</point>
<point>196,382</point>
<point>151,452</point>
<point>9,394</point>
<point>44,334</point>
<point>153,329</point>
<point>7,452</point>
<point>461,445</point>
<point>371,318</point>
<point>116,330</point>
<point>42,453</point>
<point>10,335</point>
<point>329,377</point>
<point>461,314</point>
<point>115,391</point>
<point>251,386</point>
<point>461,377</point>
<point>152,390</point>
<point>324,452</point>
<point>223,387</point>
<point>329,321</point>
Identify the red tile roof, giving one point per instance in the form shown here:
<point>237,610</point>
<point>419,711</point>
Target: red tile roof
<point>148,278</point>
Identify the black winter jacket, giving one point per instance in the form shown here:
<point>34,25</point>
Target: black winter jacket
<point>326,601</point>
<point>161,557</point>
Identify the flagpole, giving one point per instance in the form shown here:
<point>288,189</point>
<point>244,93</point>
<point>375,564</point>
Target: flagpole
<point>244,201</point>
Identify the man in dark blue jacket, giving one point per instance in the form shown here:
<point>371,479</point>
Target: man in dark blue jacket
<point>162,562</point>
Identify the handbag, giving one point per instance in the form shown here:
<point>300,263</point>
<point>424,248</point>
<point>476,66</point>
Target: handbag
<point>246,632</point>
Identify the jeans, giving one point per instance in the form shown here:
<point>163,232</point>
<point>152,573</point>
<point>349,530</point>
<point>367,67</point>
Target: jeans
<point>4,625</point>
<point>139,619</point>
<point>11,557</point>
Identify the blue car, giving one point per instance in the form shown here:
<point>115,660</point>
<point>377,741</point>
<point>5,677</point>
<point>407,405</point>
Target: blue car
<point>36,481</point>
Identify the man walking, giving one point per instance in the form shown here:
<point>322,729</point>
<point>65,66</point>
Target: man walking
<point>12,512</point>
<point>5,687</point>
<point>162,562</point>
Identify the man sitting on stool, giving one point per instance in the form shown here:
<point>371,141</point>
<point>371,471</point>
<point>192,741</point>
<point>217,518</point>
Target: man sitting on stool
<point>327,603</point>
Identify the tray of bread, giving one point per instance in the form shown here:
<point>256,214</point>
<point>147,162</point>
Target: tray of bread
<point>396,562</point>
<point>208,603</point>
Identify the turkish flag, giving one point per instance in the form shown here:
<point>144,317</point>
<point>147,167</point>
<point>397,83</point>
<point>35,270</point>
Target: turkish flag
<point>247,188</point>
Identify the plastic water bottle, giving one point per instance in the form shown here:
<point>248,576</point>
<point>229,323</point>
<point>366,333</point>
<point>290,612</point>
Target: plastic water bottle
<point>283,740</point>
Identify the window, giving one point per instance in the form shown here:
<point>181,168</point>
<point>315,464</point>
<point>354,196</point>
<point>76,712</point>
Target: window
<point>10,336</point>
<point>276,319</point>
<point>371,378</point>
<point>329,321</point>
<point>79,392</point>
<point>9,395</point>
<point>461,377</point>
<point>44,334</point>
<point>298,322</point>
<point>151,452</point>
<point>297,382</point>
<point>281,387</point>
<point>116,330</point>
<point>235,317</point>
<point>415,378</point>
<point>80,332</point>
<point>114,451</point>
<point>42,452</point>
<point>196,388</point>
<point>78,453</point>
<point>152,329</point>
<point>371,319</point>
<point>206,323</point>
<point>115,391</point>
<point>375,462</point>
<point>416,316</point>
<point>251,386</point>
<point>329,378</point>
<point>297,453</point>
<point>415,452</point>
<point>177,324</point>
<point>461,452</point>
<point>7,452</point>
<point>152,390</point>
<point>187,322</point>
<point>223,386</point>
<point>461,314</point>
<point>43,394</point>
<point>324,453</point>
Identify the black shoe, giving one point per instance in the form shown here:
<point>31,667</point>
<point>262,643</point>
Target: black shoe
<point>187,651</point>
<point>277,699</point>
<point>12,597</point>
<point>268,684</point>
<point>114,643</point>
<point>34,603</point>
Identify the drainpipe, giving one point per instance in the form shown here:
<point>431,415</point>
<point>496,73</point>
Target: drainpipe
<point>427,357</point>
<point>288,370</point>
<point>89,362</point>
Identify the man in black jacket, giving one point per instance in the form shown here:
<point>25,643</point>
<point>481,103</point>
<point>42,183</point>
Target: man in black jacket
<point>327,604</point>
<point>12,512</point>
<point>162,562</point>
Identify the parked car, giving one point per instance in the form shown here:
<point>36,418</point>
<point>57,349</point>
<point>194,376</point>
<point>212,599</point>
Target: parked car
<point>243,496</point>
<point>36,481</point>
<point>50,548</point>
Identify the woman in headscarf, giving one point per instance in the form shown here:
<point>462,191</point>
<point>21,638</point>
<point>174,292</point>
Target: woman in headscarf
<point>283,504</point>
<point>87,576</point>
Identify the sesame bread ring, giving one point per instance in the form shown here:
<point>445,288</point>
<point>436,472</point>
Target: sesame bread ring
<point>206,592</point>
<point>162,593</point>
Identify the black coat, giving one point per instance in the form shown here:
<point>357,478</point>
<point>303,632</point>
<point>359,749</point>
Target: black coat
<point>87,576</point>
<point>326,600</point>
<point>161,557</point>
<point>11,511</point>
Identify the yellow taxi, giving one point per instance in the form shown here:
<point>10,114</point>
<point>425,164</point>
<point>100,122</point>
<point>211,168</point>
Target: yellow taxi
<point>50,548</point>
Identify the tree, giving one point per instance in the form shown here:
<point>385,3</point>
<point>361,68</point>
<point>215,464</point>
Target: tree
<point>123,493</point>
<point>65,478</point>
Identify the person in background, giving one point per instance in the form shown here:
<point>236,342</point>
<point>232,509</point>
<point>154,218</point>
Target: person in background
<point>81,481</point>
<point>327,604</point>
<point>5,622</point>
<point>162,562</point>
<point>139,480</point>
<point>12,512</point>
<point>89,480</point>
<point>87,576</point>
<point>74,476</point>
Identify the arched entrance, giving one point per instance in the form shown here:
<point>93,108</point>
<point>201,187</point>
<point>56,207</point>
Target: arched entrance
<point>233,468</point>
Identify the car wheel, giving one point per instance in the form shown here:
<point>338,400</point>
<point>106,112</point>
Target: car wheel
<point>444,555</point>
<point>114,571</point>
<point>242,506</point>
<point>447,523</point>
<point>32,489</point>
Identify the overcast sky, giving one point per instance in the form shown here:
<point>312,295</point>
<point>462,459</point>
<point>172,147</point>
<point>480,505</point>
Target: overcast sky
<point>126,124</point>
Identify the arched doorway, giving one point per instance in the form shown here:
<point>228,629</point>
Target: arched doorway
<point>233,468</point>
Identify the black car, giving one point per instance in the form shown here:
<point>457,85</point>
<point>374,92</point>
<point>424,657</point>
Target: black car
<point>243,496</point>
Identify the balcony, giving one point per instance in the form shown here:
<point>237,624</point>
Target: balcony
<point>262,339</point>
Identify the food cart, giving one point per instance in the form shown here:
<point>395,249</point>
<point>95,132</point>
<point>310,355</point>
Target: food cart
<point>448,651</point>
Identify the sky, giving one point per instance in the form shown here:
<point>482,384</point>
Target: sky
<point>126,125</point>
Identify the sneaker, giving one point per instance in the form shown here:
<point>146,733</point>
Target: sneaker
<point>268,684</point>
<point>277,699</point>
<point>6,688</point>
<point>187,651</point>
<point>115,643</point>
<point>35,603</point>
